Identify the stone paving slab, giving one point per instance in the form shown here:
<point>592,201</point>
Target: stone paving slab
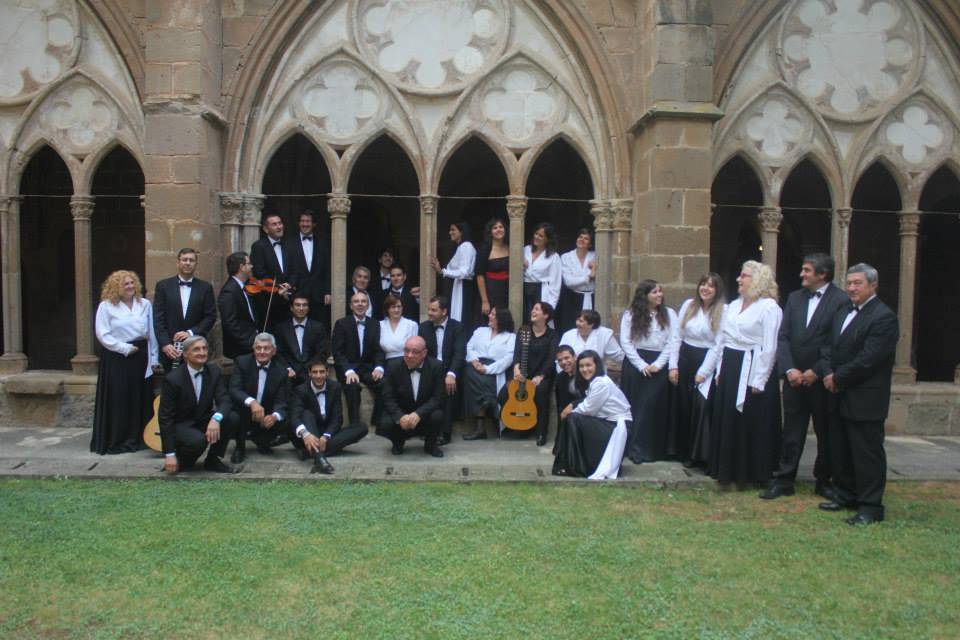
<point>62,452</point>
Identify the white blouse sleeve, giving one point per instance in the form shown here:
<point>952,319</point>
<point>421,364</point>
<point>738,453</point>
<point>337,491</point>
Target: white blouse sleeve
<point>597,394</point>
<point>574,277</point>
<point>505,360</point>
<point>462,263</point>
<point>672,340</point>
<point>675,352</point>
<point>551,285</point>
<point>104,332</point>
<point>629,350</point>
<point>764,361</point>
<point>712,359</point>
<point>152,344</point>
<point>612,350</point>
<point>472,348</point>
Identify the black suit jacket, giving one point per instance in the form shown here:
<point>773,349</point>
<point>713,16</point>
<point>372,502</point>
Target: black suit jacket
<point>178,401</point>
<point>243,385</point>
<point>168,317</point>
<point>265,263</point>
<point>398,397</point>
<point>798,344</point>
<point>411,308</point>
<point>238,327</point>
<point>346,346</point>
<point>315,344</point>
<point>454,347</point>
<point>315,281</point>
<point>303,400</point>
<point>861,361</point>
<point>376,301</point>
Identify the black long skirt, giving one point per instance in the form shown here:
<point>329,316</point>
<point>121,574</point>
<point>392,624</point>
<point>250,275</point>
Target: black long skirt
<point>744,447</point>
<point>581,442</point>
<point>124,402</point>
<point>570,306</point>
<point>650,399</point>
<point>479,393</point>
<point>687,427</point>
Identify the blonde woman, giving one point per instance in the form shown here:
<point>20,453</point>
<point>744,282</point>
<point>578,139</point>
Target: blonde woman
<point>745,404</point>
<point>124,327</point>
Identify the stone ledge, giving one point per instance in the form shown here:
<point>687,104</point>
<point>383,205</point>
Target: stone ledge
<point>36,383</point>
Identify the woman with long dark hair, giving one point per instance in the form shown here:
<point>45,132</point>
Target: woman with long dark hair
<point>489,356</point>
<point>647,330</point>
<point>700,319</point>
<point>459,271</point>
<point>579,269</point>
<point>493,267</point>
<point>593,434</point>
<point>745,405</point>
<point>541,368</point>
<point>542,274</point>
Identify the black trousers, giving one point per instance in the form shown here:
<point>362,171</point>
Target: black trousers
<point>338,442</point>
<point>191,441</point>
<point>859,462</point>
<point>429,427</point>
<point>243,427</point>
<point>352,394</point>
<point>800,404</point>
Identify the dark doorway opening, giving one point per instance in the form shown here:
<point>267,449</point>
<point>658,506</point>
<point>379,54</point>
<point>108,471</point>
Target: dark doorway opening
<point>119,241</point>
<point>734,227</point>
<point>805,229</point>
<point>559,172</point>
<point>875,229</point>
<point>46,254</point>
<point>937,315</point>
<point>296,169</point>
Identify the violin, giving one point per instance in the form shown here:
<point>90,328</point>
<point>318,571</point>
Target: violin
<point>266,285</point>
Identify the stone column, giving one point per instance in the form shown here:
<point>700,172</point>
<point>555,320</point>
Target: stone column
<point>428,239</point>
<point>81,207</point>
<point>231,215</point>
<point>603,243</point>
<point>252,212</point>
<point>620,285</point>
<point>13,360</point>
<point>338,205</point>
<point>770,218</point>
<point>517,213</point>
<point>840,242</point>
<point>903,371</point>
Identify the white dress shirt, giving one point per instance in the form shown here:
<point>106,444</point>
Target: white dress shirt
<point>605,400</point>
<point>392,341</point>
<point>697,332</point>
<point>545,270</point>
<point>814,302</point>
<point>600,340</point>
<point>499,349</point>
<point>659,339</point>
<point>853,314</point>
<point>576,275</point>
<point>277,246</point>
<point>118,325</point>
<point>185,296</point>
<point>460,269</point>
<point>307,246</point>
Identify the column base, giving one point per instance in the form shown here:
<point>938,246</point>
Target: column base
<point>13,363</point>
<point>904,375</point>
<point>84,365</point>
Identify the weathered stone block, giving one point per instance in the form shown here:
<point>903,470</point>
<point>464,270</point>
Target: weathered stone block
<point>41,410</point>
<point>659,268</point>
<point>681,44</point>
<point>680,241</point>
<point>176,201</point>
<point>697,133</point>
<point>197,235</point>
<point>930,419</point>
<point>159,79</point>
<point>680,167</point>
<point>191,78</point>
<point>237,32</point>
<point>186,169</point>
<point>618,39</point>
<point>696,207</point>
<point>175,134</point>
<point>174,45</point>
<point>666,82</point>
<point>601,12</point>
<point>157,169</point>
<point>698,83</point>
<point>694,267</point>
<point>662,207</point>
<point>685,11</point>
<point>624,12</point>
<point>158,235</point>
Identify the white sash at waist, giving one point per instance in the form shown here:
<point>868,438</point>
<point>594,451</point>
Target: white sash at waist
<point>609,467</point>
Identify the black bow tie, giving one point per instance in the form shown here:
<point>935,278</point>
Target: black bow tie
<point>396,292</point>
<point>307,238</point>
<point>299,326</point>
<point>360,322</point>
<point>417,370</point>
<point>438,327</point>
<point>263,367</point>
<point>198,373</point>
<point>814,294</point>
<point>184,283</point>
<point>321,392</point>
<point>275,243</point>
<point>854,308</point>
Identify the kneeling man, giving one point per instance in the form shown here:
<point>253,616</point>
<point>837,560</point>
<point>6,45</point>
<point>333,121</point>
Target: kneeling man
<point>317,413</point>
<point>414,396</point>
<point>258,393</point>
<point>193,401</point>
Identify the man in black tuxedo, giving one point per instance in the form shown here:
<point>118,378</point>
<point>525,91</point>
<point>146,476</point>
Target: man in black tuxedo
<point>406,295</point>
<point>413,398</point>
<point>238,319</point>
<point>360,283</point>
<point>193,402</point>
<point>272,258</point>
<point>856,368</point>
<point>566,393</point>
<point>441,328</point>
<point>316,414</point>
<point>310,258</point>
<point>183,306</point>
<point>358,357</point>
<point>382,282</point>
<point>807,322</point>
<point>301,339</point>
<point>258,395</point>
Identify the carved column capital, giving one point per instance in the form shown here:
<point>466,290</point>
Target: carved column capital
<point>253,208</point>
<point>516,207</point>
<point>231,207</point>
<point>338,205</point>
<point>7,201</point>
<point>602,215</point>
<point>770,219</point>
<point>843,215</point>
<point>428,204</point>
<point>81,208</point>
<point>909,223</point>
<point>622,215</point>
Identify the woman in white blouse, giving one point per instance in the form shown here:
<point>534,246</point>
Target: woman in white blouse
<point>124,403</point>
<point>394,328</point>
<point>648,330</point>
<point>460,272</point>
<point>593,434</point>
<point>542,275</point>
<point>700,319</point>
<point>588,334</point>
<point>745,404</point>
<point>578,269</point>
<point>489,360</point>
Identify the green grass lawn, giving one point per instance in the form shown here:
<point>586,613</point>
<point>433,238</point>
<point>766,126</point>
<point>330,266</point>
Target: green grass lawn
<point>152,559</point>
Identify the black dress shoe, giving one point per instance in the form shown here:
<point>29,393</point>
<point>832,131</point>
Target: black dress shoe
<point>433,451</point>
<point>863,518</point>
<point>443,438</point>
<point>322,465</point>
<point>237,456</point>
<point>541,439</point>
<point>833,505</point>
<point>216,465</point>
<point>397,448</point>
<point>776,490</point>
<point>265,449</point>
<point>826,490</point>
<point>636,460</point>
<point>476,435</point>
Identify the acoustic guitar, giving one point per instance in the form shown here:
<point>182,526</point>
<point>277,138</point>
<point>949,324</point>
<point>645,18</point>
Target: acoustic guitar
<point>520,411</point>
<point>151,433</point>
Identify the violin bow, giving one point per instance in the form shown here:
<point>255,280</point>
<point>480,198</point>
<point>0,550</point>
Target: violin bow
<point>266,317</point>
